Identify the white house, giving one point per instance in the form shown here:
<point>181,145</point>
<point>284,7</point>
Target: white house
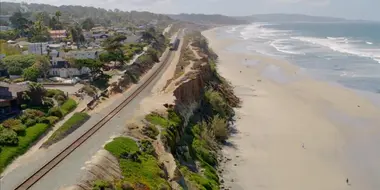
<point>60,67</point>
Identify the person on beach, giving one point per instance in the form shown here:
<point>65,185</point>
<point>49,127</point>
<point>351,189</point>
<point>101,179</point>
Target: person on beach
<point>303,145</point>
<point>348,182</point>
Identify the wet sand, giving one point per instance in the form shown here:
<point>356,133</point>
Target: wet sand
<point>294,132</point>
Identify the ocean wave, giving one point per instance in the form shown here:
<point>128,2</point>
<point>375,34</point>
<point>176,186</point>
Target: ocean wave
<point>257,30</point>
<point>343,45</point>
<point>287,49</point>
<point>369,43</point>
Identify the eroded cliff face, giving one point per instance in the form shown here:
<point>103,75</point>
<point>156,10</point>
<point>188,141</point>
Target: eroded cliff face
<point>192,86</point>
<point>103,165</point>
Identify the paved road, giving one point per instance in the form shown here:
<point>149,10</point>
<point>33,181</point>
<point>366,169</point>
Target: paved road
<point>68,171</point>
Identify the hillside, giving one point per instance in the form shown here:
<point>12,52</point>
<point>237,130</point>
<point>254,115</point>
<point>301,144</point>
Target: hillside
<point>289,18</point>
<point>72,13</point>
<point>209,19</point>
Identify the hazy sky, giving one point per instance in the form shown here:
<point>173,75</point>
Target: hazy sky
<point>353,9</point>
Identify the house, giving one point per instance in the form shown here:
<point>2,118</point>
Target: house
<point>10,98</point>
<point>61,68</point>
<point>38,48</point>
<point>58,35</point>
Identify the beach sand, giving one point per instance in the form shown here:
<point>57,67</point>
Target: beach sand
<point>294,132</point>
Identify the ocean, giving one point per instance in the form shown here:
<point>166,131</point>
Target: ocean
<point>343,53</point>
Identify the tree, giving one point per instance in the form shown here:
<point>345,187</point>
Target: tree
<point>76,34</point>
<point>114,49</point>
<point>43,65</point>
<point>94,65</point>
<point>31,74</point>
<point>23,61</point>
<point>88,24</point>
<point>58,14</point>
<point>36,92</point>
<point>19,22</point>
<point>39,30</point>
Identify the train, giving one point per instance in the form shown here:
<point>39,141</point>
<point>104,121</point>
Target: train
<point>174,43</point>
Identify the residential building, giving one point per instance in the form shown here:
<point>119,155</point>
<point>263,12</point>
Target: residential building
<point>10,98</point>
<point>61,68</point>
<point>58,35</point>
<point>38,48</point>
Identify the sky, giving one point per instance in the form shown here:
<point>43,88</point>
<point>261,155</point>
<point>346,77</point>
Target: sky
<point>350,9</point>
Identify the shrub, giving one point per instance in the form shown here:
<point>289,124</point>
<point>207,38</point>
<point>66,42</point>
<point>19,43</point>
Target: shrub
<point>52,92</point>
<point>151,131</point>
<point>44,120</point>
<point>60,98</point>
<point>220,128</point>
<point>52,119</point>
<point>68,106</point>
<point>30,122</point>
<point>217,102</point>
<point>9,123</point>
<point>8,137</point>
<point>31,135</point>
<point>74,122</point>
<point>31,114</point>
<point>48,102</point>
<point>55,111</point>
<point>24,106</point>
<point>19,129</point>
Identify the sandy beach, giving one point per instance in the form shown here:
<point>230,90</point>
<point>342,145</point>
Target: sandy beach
<point>294,132</point>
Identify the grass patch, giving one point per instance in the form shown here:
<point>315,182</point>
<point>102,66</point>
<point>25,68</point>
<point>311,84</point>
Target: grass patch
<point>156,119</point>
<point>143,169</point>
<point>9,153</point>
<point>121,145</point>
<point>68,106</point>
<point>74,122</point>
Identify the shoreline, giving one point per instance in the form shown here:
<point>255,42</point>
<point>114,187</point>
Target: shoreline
<point>295,132</point>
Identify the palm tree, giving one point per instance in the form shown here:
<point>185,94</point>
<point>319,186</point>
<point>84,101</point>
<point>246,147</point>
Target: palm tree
<point>36,93</point>
<point>58,14</point>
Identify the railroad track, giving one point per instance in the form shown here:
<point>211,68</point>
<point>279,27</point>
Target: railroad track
<point>29,182</point>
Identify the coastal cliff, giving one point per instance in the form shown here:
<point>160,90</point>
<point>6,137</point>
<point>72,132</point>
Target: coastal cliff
<point>175,148</point>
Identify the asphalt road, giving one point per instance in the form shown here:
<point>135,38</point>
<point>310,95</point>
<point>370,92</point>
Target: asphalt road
<point>69,170</point>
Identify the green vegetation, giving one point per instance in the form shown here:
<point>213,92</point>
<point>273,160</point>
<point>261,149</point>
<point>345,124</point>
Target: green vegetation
<point>74,122</point>
<point>8,153</point>
<point>139,167</point>
<point>150,131</point>
<point>7,49</point>
<point>17,134</point>
<point>68,106</point>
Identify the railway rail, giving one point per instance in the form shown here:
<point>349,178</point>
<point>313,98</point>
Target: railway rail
<point>29,182</point>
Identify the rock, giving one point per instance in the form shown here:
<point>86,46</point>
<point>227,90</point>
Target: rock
<point>232,180</point>
<point>237,156</point>
<point>222,181</point>
<point>235,164</point>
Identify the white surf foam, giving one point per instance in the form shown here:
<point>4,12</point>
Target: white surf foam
<point>343,45</point>
<point>281,47</point>
<point>257,30</point>
<point>369,43</point>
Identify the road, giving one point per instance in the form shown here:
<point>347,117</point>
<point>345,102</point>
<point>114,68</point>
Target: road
<point>69,170</point>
